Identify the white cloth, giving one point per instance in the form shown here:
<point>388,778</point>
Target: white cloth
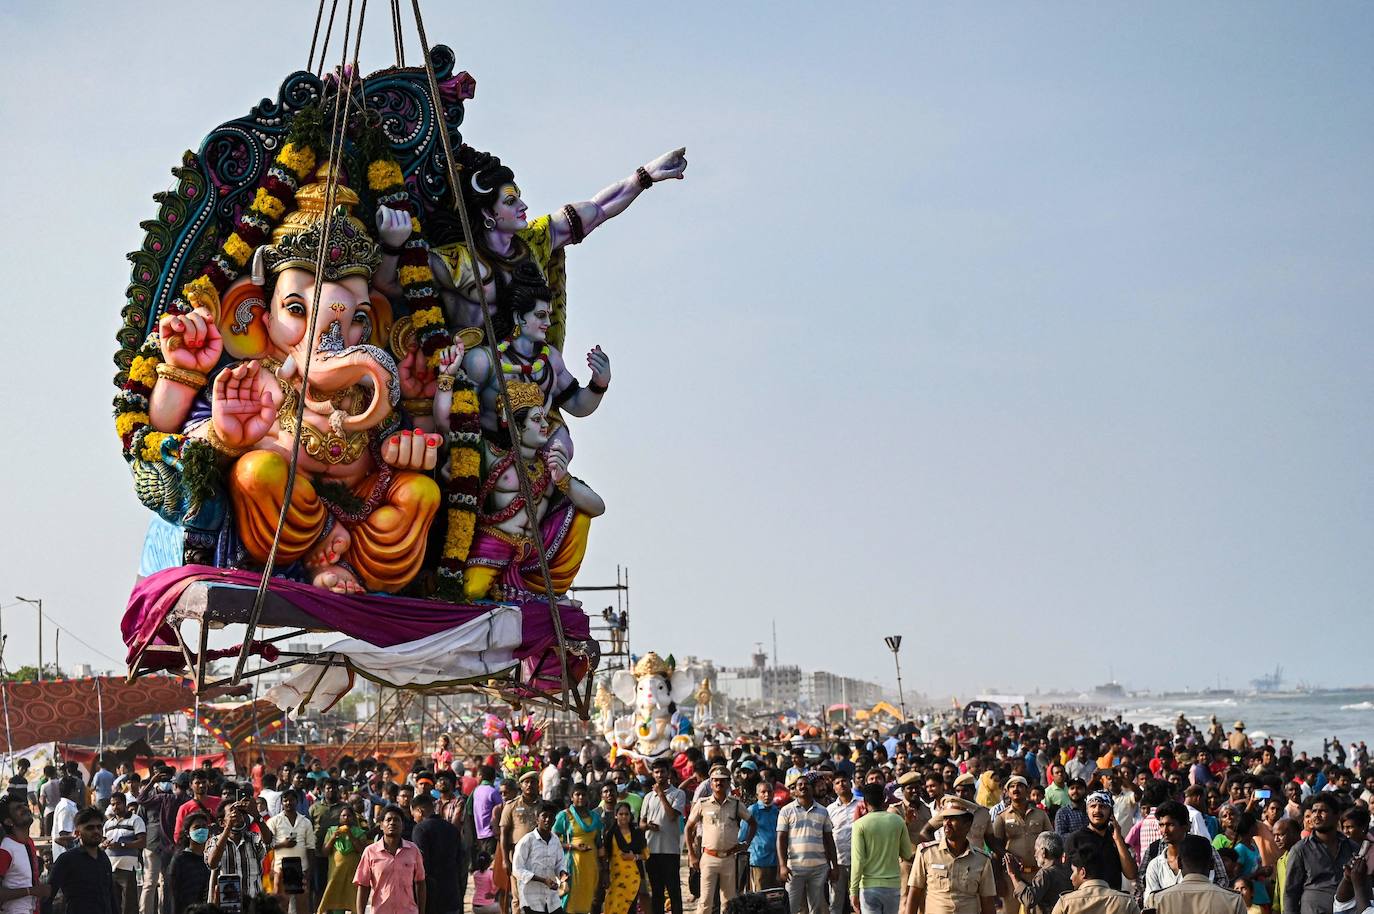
<point>550,783</point>
<point>536,857</point>
<point>121,830</point>
<point>63,820</point>
<point>1197,825</point>
<point>273,800</point>
<point>302,830</point>
<point>18,875</point>
<point>477,649</point>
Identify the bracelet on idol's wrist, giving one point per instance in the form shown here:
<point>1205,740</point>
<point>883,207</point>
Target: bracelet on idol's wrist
<point>645,181</point>
<point>218,444</point>
<point>445,382</point>
<point>390,250</point>
<point>418,405</point>
<point>192,379</point>
<point>596,388</point>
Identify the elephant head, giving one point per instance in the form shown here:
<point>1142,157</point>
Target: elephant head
<point>340,351</point>
<point>269,311</point>
<point>654,688</point>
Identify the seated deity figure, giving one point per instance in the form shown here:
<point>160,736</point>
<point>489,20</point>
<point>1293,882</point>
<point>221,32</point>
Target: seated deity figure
<point>503,562</point>
<point>523,319</point>
<point>361,504</point>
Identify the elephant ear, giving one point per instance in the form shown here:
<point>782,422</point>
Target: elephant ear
<point>681,685</point>
<point>242,320</point>
<point>382,322</point>
<point>623,686</point>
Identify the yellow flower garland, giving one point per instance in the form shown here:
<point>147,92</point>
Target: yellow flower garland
<point>267,204</point>
<point>410,275</point>
<point>434,315</point>
<point>237,250</point>
<point>144,370</point>
<point>299,160</point>
<point>382,174</point>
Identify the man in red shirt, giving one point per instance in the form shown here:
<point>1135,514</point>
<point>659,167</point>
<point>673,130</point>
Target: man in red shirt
<point>200,801</point>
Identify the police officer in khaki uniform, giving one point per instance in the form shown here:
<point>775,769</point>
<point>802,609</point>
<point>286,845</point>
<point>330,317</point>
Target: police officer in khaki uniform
<point>913,812</point>
<point>1091,894</point>
<point>1015,829</point>
<point>950,876</point>
<point>966,787</point>
<point>518,819</point>
<point>717,816</point>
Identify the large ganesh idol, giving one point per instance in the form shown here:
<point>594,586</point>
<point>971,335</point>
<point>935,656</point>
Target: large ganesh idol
<point>360,504</point>
<point>655,727</point>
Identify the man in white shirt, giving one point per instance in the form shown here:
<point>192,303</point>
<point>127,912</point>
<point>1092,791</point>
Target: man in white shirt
<point>538,863</point>
<point>64,817</point>
<point>842,813</point>
<point>126,834</point>
<point>550,782</point>
<point>271,795</point>
<point>662,815</point>
<point>292,837</point>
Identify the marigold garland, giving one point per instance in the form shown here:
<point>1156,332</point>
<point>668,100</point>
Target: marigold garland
<point>276,193</point>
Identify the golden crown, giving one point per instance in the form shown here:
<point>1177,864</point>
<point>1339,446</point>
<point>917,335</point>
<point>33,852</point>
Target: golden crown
<point>524,395</point>
<point>296,242</point>
<point>651,663</point>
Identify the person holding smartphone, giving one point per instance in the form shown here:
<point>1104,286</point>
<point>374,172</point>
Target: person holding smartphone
<point>237,851</point>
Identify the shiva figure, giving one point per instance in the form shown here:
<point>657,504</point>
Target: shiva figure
<point>503,562</point>
<point>523,319</point>
<point>506,237</point>
<point>361,504</point>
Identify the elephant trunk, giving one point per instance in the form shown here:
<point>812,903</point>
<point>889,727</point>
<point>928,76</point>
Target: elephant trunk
<point>331,373</point>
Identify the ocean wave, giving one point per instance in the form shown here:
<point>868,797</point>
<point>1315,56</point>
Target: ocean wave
<point>1209,703</point>
<point>1362,706</point>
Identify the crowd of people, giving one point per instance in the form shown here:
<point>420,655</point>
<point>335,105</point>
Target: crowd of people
<point>942,816</point>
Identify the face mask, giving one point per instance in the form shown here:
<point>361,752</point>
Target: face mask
<point>164,786</point>
<point>200,835</point>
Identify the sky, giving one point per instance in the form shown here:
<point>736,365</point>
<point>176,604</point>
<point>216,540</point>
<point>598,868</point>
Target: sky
<point>1038,334</point>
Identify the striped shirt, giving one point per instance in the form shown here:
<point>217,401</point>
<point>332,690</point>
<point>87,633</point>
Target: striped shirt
<point>805,830</point>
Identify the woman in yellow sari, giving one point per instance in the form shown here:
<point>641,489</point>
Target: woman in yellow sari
<point>628,850</point>
<point>579,827</point>
<point>346,841</point>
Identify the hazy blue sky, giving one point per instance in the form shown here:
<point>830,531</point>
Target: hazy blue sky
<point>1039,334</point>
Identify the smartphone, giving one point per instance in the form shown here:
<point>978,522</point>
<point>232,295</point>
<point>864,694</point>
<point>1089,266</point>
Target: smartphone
<point>1263,794</point>
<point>230,891</point>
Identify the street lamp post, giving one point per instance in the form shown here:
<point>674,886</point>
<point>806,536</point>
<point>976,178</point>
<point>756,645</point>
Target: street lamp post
<point>894,644</point>
<point>39,603</point>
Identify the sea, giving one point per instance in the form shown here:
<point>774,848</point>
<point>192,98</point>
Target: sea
<point>1306,718</point>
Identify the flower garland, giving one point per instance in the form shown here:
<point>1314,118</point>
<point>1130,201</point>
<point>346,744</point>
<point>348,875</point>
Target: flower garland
<point>535,367</point>
<point>384,178</point>
<point>276,194</point>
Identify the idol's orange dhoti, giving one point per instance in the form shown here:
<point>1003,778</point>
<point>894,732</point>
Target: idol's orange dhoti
<point>387,546</point>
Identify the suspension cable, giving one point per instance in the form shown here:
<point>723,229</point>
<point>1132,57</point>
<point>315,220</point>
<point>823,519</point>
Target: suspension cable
<point>315,37</point>
<point>329,30</point>
<point>338,129</point>
<point>522,474</point>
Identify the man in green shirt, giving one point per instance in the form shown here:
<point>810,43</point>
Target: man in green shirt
<point>878,845</point>
<point>1057,792</point>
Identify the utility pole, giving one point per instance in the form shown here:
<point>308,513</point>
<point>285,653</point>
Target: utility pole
<point>894,644</point>
<point>775,643</point>
<point>39,603</point>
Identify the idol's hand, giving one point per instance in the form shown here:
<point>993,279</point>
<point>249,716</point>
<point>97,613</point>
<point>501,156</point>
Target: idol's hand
<point>417,378</point>
<point>557,462</point>
<point>600,364</point>
<point>393,226</point>
<point>451,358</point>
<point>409,450</point>
<point>190,341</point>
<point>243,407</point>
<point>669,165</point>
